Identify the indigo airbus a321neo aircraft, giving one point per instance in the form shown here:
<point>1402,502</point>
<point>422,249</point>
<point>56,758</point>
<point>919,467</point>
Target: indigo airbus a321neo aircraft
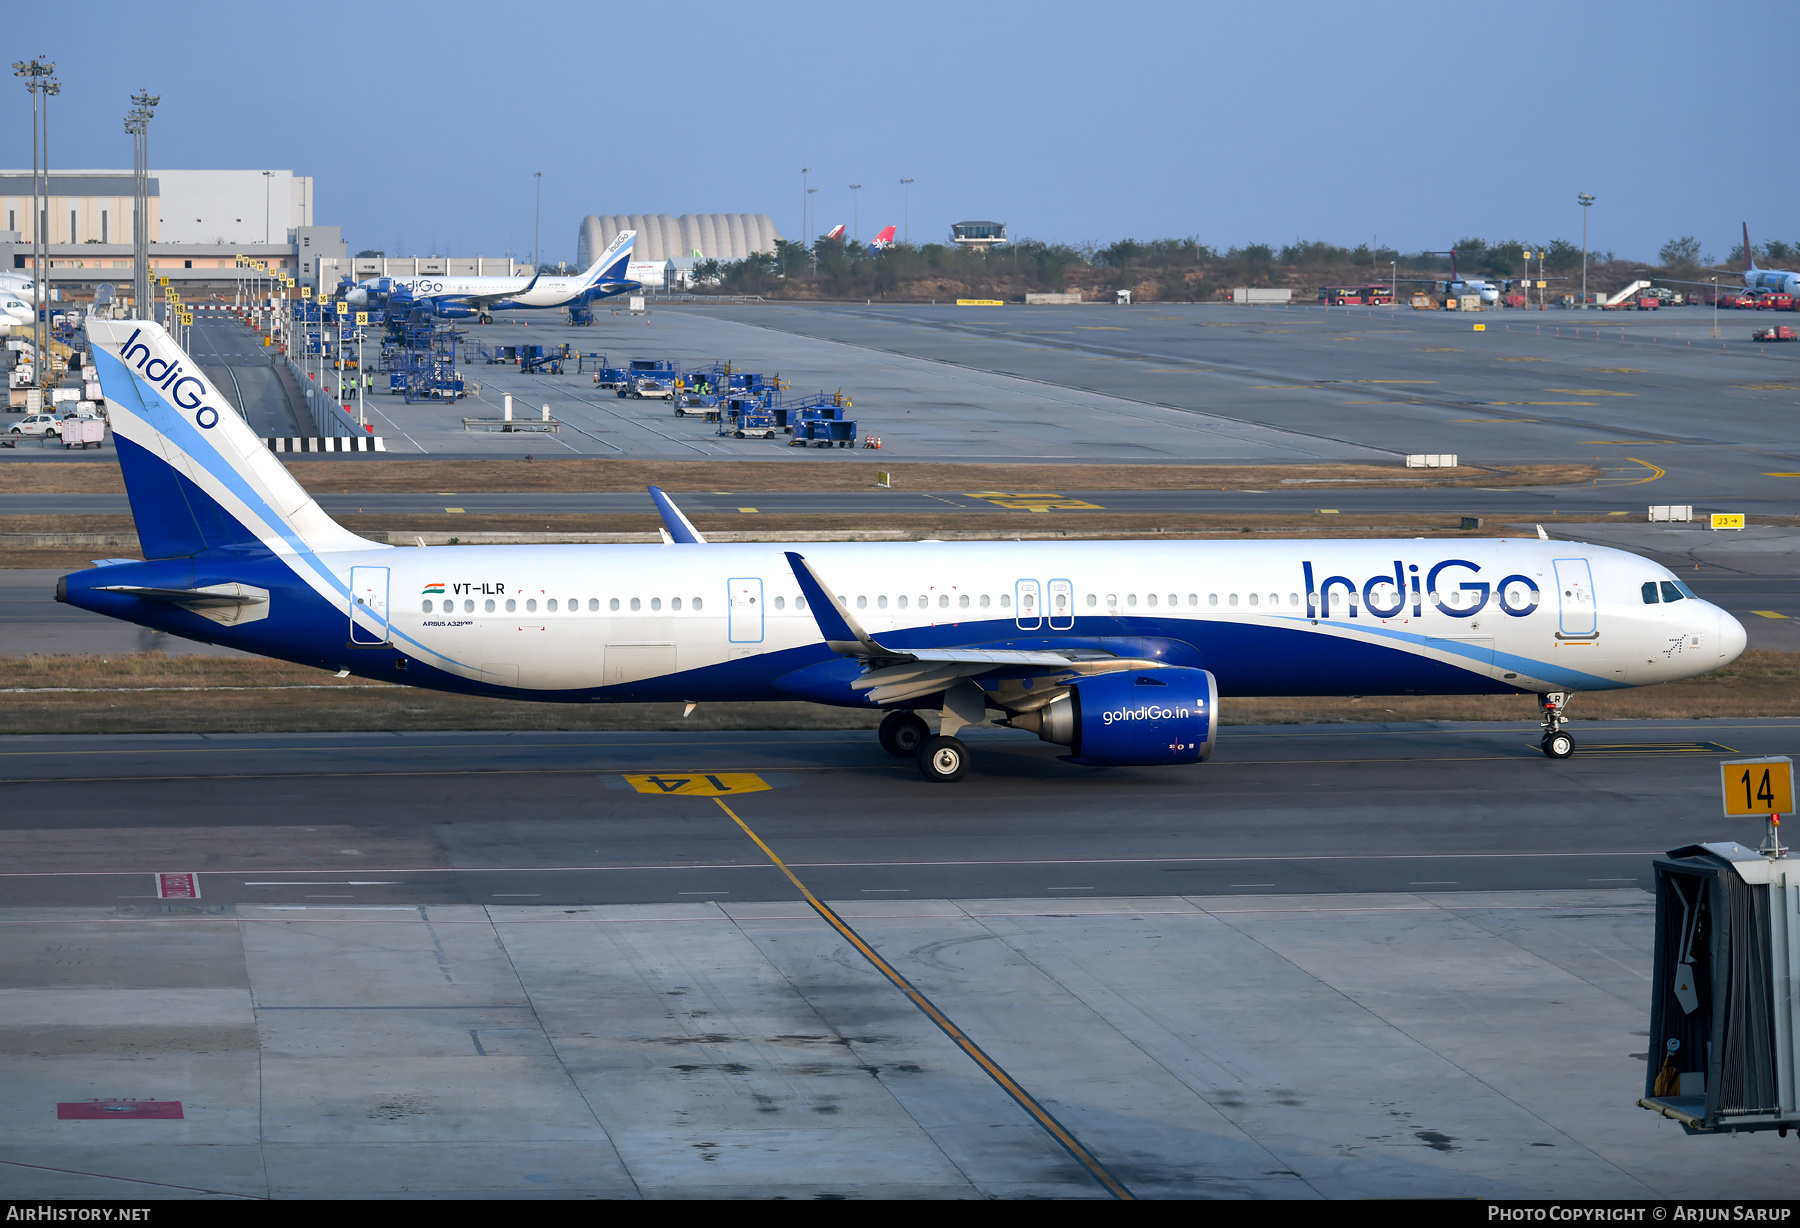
<point>1119,651</point>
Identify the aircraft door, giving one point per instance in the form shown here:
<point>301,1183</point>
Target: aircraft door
<point>1026,611</point>
<point>369,606</point>
<point>1575,600</point>
<point>1059,605</point>
<point>746,612</point>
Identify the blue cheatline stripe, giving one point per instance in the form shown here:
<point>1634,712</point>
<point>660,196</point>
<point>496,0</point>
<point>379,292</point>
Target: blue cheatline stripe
<point>1563,676</point>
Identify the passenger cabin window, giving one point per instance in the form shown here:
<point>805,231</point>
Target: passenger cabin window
<point>1092,601</point>
<point>699,605</point>
<point>613,604</point>
<point>428,605</point>
<point>881,603</point>
<point>1130,598</point>
<point>963,601</point>
<point>469,606</point>
<point>781,603</point>
<point>594,604</point>
<point>656,603</point>
<point>944,601</point>
<point>986,600</point>
<point>550,605</point>
<point>1671,591</point>
<point>636,604</point>
<point>1650,597</point>
<point>675,603</point>
<point>1005,600</point>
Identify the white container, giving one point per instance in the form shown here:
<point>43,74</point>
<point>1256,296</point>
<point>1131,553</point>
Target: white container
<point>1260,294</point>
<point>1671,513</point>
<point>1431,460</point>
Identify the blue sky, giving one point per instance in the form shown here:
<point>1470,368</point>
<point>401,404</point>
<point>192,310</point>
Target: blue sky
<point>1414,124</point>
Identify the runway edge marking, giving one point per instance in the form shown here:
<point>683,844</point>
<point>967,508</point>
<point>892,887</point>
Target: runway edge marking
<point>1055,1129</point>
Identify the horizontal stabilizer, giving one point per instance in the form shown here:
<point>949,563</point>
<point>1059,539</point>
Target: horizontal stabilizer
<point>229,603</point>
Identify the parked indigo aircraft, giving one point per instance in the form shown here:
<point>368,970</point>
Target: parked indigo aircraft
<point>1119,651</point>
<point>477,298</point>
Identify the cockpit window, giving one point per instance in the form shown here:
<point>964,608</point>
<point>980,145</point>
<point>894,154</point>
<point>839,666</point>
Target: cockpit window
<point>1671,591</point>
<point>1685,590</point>
<point>1650,597</point>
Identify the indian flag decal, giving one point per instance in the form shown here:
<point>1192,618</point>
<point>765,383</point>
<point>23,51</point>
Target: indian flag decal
<point>434,588</point>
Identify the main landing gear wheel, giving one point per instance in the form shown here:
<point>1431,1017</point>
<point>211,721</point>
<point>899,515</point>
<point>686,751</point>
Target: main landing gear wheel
<point>942,760</point>
<point>902,733</point>
<point>1558,745</point>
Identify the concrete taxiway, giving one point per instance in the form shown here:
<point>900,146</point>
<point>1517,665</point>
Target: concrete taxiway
<point>462,965</point>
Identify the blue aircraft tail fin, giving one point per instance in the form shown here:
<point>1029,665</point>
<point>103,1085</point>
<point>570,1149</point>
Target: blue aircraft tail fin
<point>197,476</point>
<point>614,261</point>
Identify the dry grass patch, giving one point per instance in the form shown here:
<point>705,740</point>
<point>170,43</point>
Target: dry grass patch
<point>154,693</point>
<point>417,476</point>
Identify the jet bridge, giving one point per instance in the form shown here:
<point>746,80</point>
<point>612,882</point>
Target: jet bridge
<point>1725,1001</point>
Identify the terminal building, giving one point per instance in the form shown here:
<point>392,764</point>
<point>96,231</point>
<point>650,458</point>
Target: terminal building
<point>663,236</point>
<point>199,223</point>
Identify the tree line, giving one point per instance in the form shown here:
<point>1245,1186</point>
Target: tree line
<point>1166,270</point>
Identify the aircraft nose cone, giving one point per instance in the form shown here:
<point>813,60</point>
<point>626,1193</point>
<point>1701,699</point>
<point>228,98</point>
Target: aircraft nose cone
<point>1731,638</point>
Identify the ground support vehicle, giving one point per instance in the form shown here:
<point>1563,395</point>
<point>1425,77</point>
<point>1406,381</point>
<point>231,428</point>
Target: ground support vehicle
<point>83,432</point>
<point>824,433</point>
<point>543,359</point>
<point>643,386</point>
<point>746,418</point>
<point>1778,332</point>
<point>37,425</point>
<point>696,404</point>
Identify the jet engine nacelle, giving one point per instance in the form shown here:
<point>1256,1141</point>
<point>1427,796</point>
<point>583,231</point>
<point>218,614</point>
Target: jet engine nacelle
<point>451,311</point>
<point>1135,718</point>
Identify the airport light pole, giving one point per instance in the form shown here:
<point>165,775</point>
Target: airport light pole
<point>856,213</point>
<point>1715,296</point>
<point>268,181</point>
<point>137,122</point>
<point>906,215</point>
<point>1587,202</point>
<point>805,191</point>
<point>537,225</point>
<point>38,80</point>
<point>815,256</point>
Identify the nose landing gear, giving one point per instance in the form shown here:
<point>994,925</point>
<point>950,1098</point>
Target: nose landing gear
<point>1556,744</point>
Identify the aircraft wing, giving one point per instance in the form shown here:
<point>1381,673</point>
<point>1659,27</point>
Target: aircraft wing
<point>1721,284</point>
<point>896,674</point>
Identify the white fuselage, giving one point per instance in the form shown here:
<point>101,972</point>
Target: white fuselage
<point>428,287</point>
<point>579,617</point>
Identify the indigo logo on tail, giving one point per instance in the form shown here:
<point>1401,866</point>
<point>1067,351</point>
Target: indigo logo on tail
<point>167,376</point>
